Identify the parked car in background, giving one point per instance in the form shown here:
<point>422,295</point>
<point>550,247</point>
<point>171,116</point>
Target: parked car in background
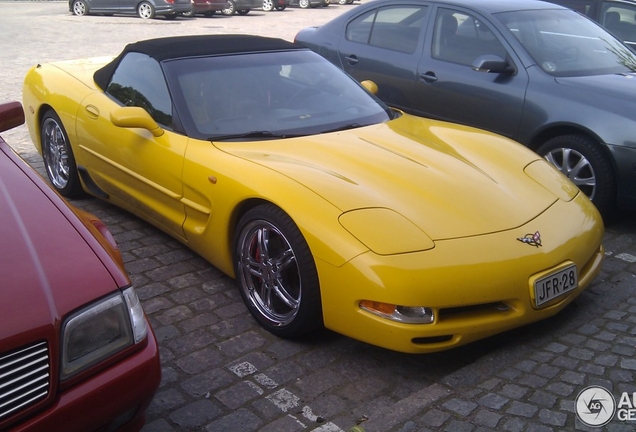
<point>279,5</point>
<point>76,351</point>
<point>617,16</point>
<point>533,71</point>
<point>328,207</point>
<point>147,9</point>
<point>242,7</point>
<point>304,4</point>
<point>206,7</point>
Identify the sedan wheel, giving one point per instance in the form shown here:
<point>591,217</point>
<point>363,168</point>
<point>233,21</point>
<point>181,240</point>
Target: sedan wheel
<point>80,8</point>
<point>276,273</point>
<point>146,11</point>
<point>268,5</point>
<point>304,4</point>
<point>58,156</point>
<point>243,11</point>
<point>230,9</point>
<point>581,160</point>
<point>342,2</point>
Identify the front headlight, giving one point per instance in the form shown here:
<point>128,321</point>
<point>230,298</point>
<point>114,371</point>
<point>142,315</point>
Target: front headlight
<point>101,330</point>
<point>552,179</point>
<point>385,231</point>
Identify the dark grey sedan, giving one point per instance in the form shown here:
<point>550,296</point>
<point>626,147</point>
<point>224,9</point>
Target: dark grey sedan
<point>146,9</point>
<point>539,73</point>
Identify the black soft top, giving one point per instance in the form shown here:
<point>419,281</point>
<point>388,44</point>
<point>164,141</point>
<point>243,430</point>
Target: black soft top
<point>193,46</point>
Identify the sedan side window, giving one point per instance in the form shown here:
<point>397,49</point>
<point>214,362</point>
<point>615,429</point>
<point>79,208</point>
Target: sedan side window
<point>139,81</point>
<point>620,19</point>
<point>396,28</point>
<point>461,38</point>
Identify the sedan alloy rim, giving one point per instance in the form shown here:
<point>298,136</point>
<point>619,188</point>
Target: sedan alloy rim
<point>576,167</point>
<point>55,153</point>
<point>79,8</point>
<point>145,11</point>
<point>268,273</point>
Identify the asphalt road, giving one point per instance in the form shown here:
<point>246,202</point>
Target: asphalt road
<point>222,372</point>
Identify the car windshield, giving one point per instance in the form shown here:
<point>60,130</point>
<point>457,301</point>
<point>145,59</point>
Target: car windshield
<point>564,43</point>
<point>268,95</point>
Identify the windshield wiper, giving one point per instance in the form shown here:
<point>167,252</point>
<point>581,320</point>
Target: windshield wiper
<point>251,134</point>
<point>343,127</point>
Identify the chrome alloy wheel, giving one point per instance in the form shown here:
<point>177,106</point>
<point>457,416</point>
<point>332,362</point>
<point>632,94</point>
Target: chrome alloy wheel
<point>55,152</point>
<point>268,273</point>
<point>576,167</point>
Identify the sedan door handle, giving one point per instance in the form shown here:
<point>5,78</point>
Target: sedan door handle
<point>429,77</point>
<point>352,59</point>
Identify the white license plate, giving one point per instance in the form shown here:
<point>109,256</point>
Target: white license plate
<point>555,285</point>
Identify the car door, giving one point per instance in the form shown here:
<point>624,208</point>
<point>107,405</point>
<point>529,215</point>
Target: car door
<point>139,171</point>
<point>448,87</point>
<point>103,6</point>
<point>384,45</point>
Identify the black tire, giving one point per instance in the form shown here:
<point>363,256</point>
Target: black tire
<point>582,160</point>
<point>230,9</point>
<point>57,154</point>
<point>80,8</point>
<point>208,14</point>
<point>276,273</point>
<point>243,11</point>
<point>171,16</point>
<point>188,14</point>
<point>280,8</point>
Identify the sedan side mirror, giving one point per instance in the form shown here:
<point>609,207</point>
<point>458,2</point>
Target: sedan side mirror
<point>135,117</point>
<point>492,64</point>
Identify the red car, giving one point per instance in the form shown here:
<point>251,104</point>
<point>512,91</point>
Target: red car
<point>206,7</point>
<point>76,350</point>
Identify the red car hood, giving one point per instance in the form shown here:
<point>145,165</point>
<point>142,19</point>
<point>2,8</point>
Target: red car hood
<point>47,267</point>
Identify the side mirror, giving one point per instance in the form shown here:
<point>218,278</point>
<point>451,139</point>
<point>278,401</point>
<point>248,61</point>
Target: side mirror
<point>370,86</point>
<point>11,115</point>
<point>135,117</point>
<point>491,63</point>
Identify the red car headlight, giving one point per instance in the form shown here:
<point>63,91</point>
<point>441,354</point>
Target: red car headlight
<point>101,330</point>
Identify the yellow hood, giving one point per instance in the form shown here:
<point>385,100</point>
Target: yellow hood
<point>449,180</point>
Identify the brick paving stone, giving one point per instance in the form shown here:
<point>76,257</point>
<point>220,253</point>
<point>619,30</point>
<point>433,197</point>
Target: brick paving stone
<point>522,409</point>
<point>434,418</point>
<point>196,414</point>
<point>488,418</point>
<point>494,401</point>
<point>459,406</point>
<point>240,420</point>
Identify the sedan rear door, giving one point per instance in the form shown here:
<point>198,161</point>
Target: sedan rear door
<point>384,44</point>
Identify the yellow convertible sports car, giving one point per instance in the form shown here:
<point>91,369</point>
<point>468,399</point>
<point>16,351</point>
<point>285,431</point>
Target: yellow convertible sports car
<point>328,207</point>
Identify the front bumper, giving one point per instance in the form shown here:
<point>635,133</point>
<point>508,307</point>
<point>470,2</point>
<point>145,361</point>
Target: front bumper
<point>113,399</point>
<point>477,286</point>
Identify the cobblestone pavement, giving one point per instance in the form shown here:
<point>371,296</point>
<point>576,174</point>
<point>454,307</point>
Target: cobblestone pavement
<point>222,372</point>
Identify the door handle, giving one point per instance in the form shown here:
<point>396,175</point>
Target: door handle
<point>351,59</point>
<point>429,77</point>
